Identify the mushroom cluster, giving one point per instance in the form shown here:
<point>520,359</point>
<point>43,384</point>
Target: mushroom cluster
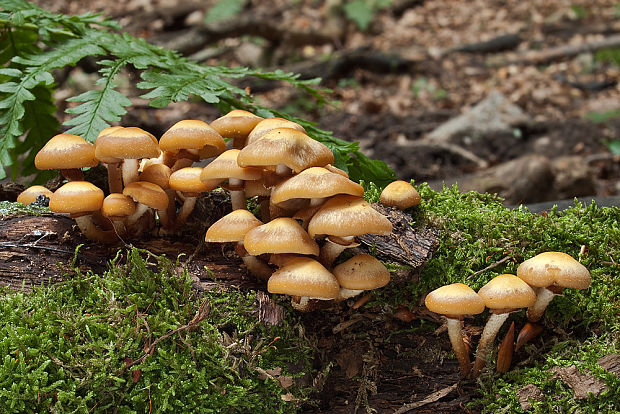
<point>310,210</point>
<point>538,280</point>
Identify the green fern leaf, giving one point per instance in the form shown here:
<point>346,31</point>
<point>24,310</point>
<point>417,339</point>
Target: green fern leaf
<point>100,106</point>
<point>224,10</point>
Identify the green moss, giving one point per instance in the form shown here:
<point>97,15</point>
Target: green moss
<point>65,347</point>
<point>9,209</point>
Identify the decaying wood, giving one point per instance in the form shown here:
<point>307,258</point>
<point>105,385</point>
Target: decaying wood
<point>407,245</point>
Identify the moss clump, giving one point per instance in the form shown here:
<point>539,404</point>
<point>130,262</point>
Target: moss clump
<point>66,347</point>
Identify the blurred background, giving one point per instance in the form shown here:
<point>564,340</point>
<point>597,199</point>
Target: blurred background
<point>518,98</point>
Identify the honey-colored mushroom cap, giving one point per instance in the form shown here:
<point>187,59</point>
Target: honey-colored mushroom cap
<point>304,277</point>
<point>315,182</point>
<point>157,174</point>
<point>361,272</point>
<point>76,197</point>
<point>191,134</point>
<point>268,124</point>
<point>188,180</point>
<point>236,124</point>
<point>399,194</point>
<point>118,205</point>
<point>285,146</point>
<point>548,268</point>
<point>65,151</point>
<point>281,235</point>
<point>225,166</point>
<point>149,194</point>
<point>126,143</point>
<point>232,227</point>
<point>507,292</point>
<point>30,194</point>
<point>345,215</point>
<point>455,299</point>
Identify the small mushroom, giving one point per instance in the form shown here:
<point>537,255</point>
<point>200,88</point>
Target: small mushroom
<point>502,295</point>
<point>237,124</point>
<point>549,273</point>
<point>187,181</point>
<point>147,196</point>
<point>399,194</point>
<point>67,153</point>
<point>454,302</point>
<point>81,200</point>
<point>305,279</point>
<point>30,194</point>
<point>232,228</point>
<point>281,235</point>
<point>159,174</point>
<point>268,124</point>
<point>359,273</point>
<point>189,136</point>
<point>117,207</point>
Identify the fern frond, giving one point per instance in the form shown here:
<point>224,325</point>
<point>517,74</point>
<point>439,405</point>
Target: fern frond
<point>100,106</point>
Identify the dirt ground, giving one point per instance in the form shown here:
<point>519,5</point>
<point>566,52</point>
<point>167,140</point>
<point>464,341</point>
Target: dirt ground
<point>429,78</point>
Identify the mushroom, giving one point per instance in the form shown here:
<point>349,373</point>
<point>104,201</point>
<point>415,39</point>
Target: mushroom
<point>225,167</point>
<point>285,149</point>
<point>399,194</point>
<point>548,273</point>
<point>128,145</point>
<point>232,228</point>
<point>281,235</point>
<point>268,124</point>
<point>30,194</point>
<point>316,184</point>
<point>187,181</point>
<point>115,179</point>
<point>304,279</point>
<point>345,217</point>
<point>147,196</point>
<point>237,124</point>
<point>502,295</point>
<point>189,137</point>
<point>359,273</point>
<point>117,207</point>
<point>67,153</point>
<point>159,174</point>
<point>81,200</point>
<point>454,302</point>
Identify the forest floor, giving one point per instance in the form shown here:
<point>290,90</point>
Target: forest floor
<point>418,65</point>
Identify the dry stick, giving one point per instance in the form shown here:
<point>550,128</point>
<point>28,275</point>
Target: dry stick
<point>201,315</point>
<point>489,267</point>
<point>455,149</point>
<point>430,399</point>
<point>560,52</point>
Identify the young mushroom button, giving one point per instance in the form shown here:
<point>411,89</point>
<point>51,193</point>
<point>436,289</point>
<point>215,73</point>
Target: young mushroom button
<point>281,235</point>
<point>453,302</point>
<point>399,194</point>
<point>147,196</point>
<point>268,124</point>
<point>30,194</point>
<point>359,273</point>
<point>237,124</point>
<point>503,294</point>
<point>187,181</point>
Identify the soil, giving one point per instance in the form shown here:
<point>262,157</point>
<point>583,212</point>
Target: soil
<point>380,361</point>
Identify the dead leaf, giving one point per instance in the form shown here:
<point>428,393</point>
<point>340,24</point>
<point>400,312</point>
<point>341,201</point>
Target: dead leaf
<point>136,374</point>
<point>285,381</point>
<point>610,363</point>
<point>350,361</point>
<point>527,395</point>
<point>583,385</point>
<point>288,397</point>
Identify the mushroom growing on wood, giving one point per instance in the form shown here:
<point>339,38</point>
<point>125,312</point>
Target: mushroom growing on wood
<point>189,137</point>
<point>30,194</point>
<point>268,124</point>
<point>454,302</point>
<point>502,295</point>
<point>81,200</point>
<point>187,181</point>
<point>281,235</point>
<point>117,207</point>
<point>399,194</point>
<point>359,273</point>
<point>232,228</point>
<point>237,124</point>
<point>147,196</point>
<point>345,217</point>
<point>67,153</point>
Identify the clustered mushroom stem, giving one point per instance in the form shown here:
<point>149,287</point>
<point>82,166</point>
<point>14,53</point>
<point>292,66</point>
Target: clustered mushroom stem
<point>458,345</point>
<point>254,265</point>
<point>330,252</point>
<point>237,196</point>
<point>171,211</point>
<point>186,210</point>
<point>283,170</point>
<point>92,232</point>
<point>130,171</point>
<point>115,182</point>
<point>72,174</point>
<point>140,210</point>
<point>495,322</point>
<point>543,297</point>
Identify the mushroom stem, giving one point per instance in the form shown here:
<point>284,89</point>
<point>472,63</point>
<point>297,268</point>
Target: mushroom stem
<point>130,171</point>
<point>506,350</point>
<point>544,296</point>
<point>495,322</point>
<point>237,194</point>
<point>254,265</point>
<point>92,232</point>
<point>348,293</point>
<point>140,210</point>
<point>458,345</point>
<point>72,174</point>
<point>282,170</point>
<point>529,331</point>
<point>330,251</point>
<point>186,210</point>
<point>115,182</point>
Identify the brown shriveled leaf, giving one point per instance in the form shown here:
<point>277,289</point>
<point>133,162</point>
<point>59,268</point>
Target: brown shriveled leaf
<point>528,394</point>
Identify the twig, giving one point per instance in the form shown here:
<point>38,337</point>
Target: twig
<point>455,149</point>
<point>489,267</point>
<point>430,399</point>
